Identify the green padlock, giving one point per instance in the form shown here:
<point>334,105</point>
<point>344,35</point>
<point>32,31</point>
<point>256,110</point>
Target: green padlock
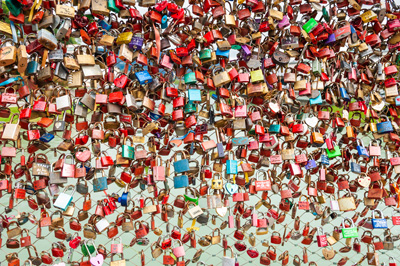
<point>14,6</point>
<point>310,25</point>
<point>350,232</point>
<point>128,151</point>
<point>190,108</point>
<point>111,5</point>
<point>300,116</point>
<point>256,76</point>
<point>334,153</point>
<point>85,247</point>
<point>325,14</point>
<point>190,78</point>
<point>205,54</point>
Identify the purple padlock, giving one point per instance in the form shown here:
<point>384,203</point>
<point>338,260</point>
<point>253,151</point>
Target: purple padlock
<point>136,43</point>
<point>246,50</point>
<point>284,22</point>
<point>331,39</point>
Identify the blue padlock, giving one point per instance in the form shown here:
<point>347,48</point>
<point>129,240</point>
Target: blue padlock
<point>362,151</point>
<point>29,189</point>
<point>194,94</point>
<point>379,223</point>
<point>87,166</point>
<point>344,94</point>
<point>104,25</point>
<point>143,77</point>
<point>384,127</point>
<point>164,22</point>
<point>231,164</point>
<point>324,158</point>
<point>100,184</point>
<point>317,100</point>
<point>222,53</point>
<point>125,197</point>
<point>181,165</point>
<point>181,181</point>
<point>397,100</point>
<point>311,164</point>
<point>355,167</point>
<point>46,137</point>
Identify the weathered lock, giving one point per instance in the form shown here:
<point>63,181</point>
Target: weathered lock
<point>100,183</point>
<point>220,77</point>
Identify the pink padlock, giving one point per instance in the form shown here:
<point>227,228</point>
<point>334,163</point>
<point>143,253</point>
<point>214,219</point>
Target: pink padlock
<point>158,170</point>
<point>231,220</point>
<point>241,111</point>
<point>295,169</point>
<point>254,218</point>
<point>116,247</point>
<point>179,251</point>
<point>322,173</point>
<point>284,22</point>
<point>374,148</point>
<point>329,144</point>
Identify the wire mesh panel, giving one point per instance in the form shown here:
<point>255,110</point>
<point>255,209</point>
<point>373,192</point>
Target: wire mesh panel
<point>212,253</point>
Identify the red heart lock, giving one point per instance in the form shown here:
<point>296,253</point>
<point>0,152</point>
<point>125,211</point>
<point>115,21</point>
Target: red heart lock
<point>253,253</point>
<point>240,246</point>
<point>74,243</point>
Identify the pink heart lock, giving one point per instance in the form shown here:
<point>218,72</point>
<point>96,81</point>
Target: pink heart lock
<point>253,253</point>
<point>97,261</point>
<point>83,156</point>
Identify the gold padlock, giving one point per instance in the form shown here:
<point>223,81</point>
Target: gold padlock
<point>257,76</point>
<point>221,78</point>
<point>8,54</point>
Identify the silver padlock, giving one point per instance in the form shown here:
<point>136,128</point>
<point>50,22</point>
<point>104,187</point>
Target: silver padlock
<point>102,225</point>
<point>88,100</point>
<point>63,102</point>
<point>80,110</point>
<point>62,31</point>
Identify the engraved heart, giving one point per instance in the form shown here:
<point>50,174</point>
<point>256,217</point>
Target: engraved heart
<point>311,121</point>
<point>231,188</point>
<point>221,211</point>
<point>97,261</point>
<point>364,181</point>
<point>328,253</point>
